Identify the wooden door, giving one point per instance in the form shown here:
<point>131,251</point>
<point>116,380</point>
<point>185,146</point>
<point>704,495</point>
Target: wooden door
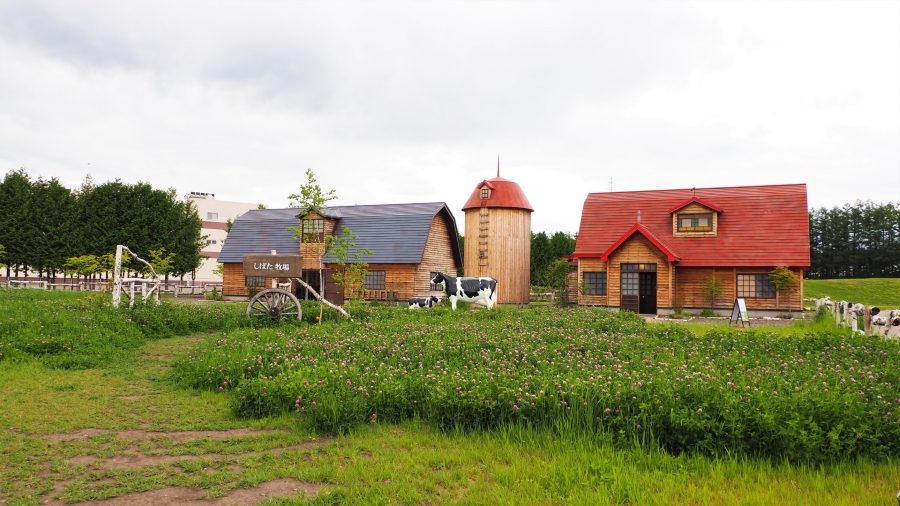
<point>647,289</point>
<point>630,292</point>
<point>334,293</point>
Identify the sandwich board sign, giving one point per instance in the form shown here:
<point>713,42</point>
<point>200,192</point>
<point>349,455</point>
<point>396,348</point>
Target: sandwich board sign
<point>739,313</point>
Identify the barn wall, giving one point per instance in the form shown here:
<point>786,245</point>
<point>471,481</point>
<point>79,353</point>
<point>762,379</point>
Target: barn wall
<point>438,257</point>
<point>312,252</point>
<point>638,249</point>
<point>689,285</point>
<point>233,280</point>
<point>507,247</point>
<point>398,281</point>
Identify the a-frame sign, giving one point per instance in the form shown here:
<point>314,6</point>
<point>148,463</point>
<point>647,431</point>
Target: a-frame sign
<point>739,313</point>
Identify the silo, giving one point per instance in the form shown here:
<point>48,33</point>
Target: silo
<point>498,238</point>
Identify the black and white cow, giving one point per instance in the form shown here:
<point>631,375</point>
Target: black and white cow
<point>478,290</point>
<point>418,302</point>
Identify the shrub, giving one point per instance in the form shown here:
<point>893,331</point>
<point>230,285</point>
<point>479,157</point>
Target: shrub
<point>819,395</point>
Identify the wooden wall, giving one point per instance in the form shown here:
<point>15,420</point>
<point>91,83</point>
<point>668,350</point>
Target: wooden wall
<point>695,208</point>
<point>312,252</point>
<point>592,265</point>
<point>638,249</point>
<point>233,280</point>
<point>506,239</point>
<point>689,284</point>
<point>399,280</point>
<point>438,257</point>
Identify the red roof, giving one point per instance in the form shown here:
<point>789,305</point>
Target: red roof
<point>765,226</point>
<point>504,193</point>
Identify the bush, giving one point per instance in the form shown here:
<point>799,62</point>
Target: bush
<point>708,313</point>
<point>812,397</point>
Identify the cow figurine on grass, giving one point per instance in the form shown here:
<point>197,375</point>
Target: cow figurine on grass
<point>477,290</point>
<point>419,302</point>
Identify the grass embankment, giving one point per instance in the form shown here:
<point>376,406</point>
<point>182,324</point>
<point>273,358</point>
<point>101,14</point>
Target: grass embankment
<point>412,462</point>
<point>813,397</point>
<point>881,292</point>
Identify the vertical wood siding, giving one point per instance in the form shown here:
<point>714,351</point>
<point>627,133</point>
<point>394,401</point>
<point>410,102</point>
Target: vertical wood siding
<point>507,241</point>
<point>438,257</point>
<point>638,249</point>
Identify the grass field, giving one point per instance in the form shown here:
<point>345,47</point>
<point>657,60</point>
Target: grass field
<point>881,292</point>
<point>409,462</point>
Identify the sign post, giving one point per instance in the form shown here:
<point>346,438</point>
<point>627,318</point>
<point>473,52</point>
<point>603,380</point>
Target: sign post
<point>273,266</point>
<point>739,313</point>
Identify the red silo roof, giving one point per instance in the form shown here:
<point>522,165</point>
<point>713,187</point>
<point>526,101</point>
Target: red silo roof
<point>504,193</point>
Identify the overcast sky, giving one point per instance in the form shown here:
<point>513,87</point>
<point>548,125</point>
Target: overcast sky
<point>412,102</point>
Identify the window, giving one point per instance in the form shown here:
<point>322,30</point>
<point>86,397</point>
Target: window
<point>374,280</point>
<point>756,286</point>
<point>434,287</point>
<point>595,283</point>
<point>695,223</point>
<point>314,230</point>
<point>485,193</point>
<point>212,216</point>
<point>639,267</point>
<point>254,281</point>
<point>630,283</point>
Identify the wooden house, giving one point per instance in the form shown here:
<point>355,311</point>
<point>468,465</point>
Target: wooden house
<point>647,251</point>
<point>409,243</point>
<point>498,232</point>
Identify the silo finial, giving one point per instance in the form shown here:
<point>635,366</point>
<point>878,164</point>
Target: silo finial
<point>498,165</point>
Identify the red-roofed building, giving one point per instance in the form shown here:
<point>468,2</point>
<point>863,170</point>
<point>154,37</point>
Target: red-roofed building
<point>643,250</point>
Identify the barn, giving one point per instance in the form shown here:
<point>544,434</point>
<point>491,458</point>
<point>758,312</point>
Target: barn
<point>409,242</point>
<point>647,251</point>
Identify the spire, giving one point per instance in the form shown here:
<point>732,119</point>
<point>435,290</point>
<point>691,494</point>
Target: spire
<point>498,165</point>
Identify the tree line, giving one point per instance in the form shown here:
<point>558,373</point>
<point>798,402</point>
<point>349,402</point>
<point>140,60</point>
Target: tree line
<point>859,240</point>
<point>545,251</point>
<point>47,227</point>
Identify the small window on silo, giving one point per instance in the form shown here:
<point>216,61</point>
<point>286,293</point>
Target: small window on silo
<point>485,192</point>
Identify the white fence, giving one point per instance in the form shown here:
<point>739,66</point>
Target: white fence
<point>875,321</point>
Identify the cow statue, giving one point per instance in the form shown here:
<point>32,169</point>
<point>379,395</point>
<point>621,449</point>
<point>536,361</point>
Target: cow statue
<point>477,290</point>
<point>419,302</point>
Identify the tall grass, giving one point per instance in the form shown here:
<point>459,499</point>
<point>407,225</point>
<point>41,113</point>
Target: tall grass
<point>76,330</point>
<point>820,394</point>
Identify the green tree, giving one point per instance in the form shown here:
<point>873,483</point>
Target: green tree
<point>784,281</point>
<point>561,245</point>
<point>2,256</point>
<point>84,265</point>
<point>541,257</point>
<point>311,196</point>
<point>15,223</point>
<point>162,264</point>
<point>557,278</point>
<point>712,290</point>
<point>349,274</point>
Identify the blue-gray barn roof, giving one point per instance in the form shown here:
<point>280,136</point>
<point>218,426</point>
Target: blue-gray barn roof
<point>396,233</point>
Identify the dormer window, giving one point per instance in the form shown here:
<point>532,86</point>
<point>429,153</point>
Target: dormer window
<point>695,222</point>
<point>485,193</point>
<point>313,230</point>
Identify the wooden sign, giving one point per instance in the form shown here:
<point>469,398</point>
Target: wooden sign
<point>273,266</point>
<point>739,313</point>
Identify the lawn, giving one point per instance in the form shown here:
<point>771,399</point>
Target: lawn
<point>139,409</point>
<point>881,292</point>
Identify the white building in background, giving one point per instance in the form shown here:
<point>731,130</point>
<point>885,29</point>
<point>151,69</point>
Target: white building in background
<point>214,214</point>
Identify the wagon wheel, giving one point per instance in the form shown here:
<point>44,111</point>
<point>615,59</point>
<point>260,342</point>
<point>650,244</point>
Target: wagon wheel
<point>274,304</point>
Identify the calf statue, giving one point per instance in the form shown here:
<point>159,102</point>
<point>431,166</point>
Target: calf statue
<point>477,290</point>
<point>418,302</point>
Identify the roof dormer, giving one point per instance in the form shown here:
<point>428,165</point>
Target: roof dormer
<point>695,218</point>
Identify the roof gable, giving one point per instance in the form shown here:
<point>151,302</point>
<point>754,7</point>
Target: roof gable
<point>695,200</point>
<point>765,226</point>
<point>670,253</point>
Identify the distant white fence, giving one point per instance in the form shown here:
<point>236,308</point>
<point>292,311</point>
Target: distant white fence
<point>875,321</point>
